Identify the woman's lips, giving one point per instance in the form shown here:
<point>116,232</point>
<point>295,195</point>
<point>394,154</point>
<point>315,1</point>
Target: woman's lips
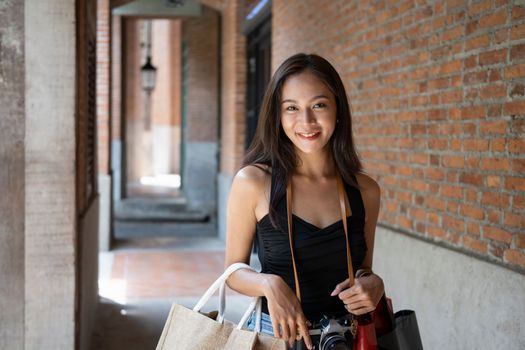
<point>309,135</point>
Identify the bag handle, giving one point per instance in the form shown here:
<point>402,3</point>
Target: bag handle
<point>344,211</point>
<point>220,284</point>
<point>257,305</point>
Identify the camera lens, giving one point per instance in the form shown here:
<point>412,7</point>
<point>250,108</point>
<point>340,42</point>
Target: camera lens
<point>334,342</point>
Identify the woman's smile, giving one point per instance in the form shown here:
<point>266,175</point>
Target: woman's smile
<point>309,136</point>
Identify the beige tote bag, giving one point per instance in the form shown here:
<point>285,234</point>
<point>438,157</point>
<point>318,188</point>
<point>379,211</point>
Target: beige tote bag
<point>187,329</point>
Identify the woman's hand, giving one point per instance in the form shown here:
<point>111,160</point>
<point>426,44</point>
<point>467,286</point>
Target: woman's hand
<point>287,316</point>
<point>363,296</point>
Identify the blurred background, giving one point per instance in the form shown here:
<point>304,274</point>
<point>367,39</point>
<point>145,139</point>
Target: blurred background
<point>123,123</point>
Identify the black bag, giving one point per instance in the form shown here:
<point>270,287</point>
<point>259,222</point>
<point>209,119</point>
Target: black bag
<point>405,334</point>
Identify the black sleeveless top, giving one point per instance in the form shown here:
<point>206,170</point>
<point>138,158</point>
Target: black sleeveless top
<point>320,255</point>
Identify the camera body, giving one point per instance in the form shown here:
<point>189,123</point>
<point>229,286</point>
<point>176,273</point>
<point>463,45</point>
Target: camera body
<point>331,334</point>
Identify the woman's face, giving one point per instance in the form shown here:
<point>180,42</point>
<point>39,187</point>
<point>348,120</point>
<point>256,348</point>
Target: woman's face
<point>308,112</point>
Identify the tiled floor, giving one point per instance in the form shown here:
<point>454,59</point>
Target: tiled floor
<point>142,278</point>
<point>166,274</point>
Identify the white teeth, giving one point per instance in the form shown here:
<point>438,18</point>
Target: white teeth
<point>308,135</point>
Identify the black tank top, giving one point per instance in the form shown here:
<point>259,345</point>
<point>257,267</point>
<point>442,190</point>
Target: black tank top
<point>320,255</point>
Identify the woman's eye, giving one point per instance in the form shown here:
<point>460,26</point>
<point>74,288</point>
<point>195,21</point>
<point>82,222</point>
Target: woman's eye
<point>320,105</point>
<point>291,108</point>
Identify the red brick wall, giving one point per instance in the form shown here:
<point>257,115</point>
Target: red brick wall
<point>133,60</point>
<point>202,35</point>
<point>136,164</point>
<point>175,88</point>
<point>116,76</point>
<point>161,113</point>
<point>103,83</point>
<point>233,90</point>
<point>437,94</point>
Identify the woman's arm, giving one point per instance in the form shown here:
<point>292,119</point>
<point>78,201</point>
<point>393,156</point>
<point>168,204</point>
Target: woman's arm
<point>247,195</point>
<point>372,200</point>
<point>246,192</point>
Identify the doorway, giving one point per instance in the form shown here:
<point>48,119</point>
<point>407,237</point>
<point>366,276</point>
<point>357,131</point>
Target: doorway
<point>259,59</point>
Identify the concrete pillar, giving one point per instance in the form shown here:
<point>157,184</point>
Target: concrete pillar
<point>47,296</point>
<point>50,175</point>
<point>12,174</point>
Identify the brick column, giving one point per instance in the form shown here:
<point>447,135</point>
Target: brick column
<point>233,106</point>
<point>116,106</point>
<point>104,120</point>
<point>103,84</point>
<point>200,168</point>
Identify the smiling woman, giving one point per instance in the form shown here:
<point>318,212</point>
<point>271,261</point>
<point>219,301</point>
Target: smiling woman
<point>308,121</point>
<point>304,144</point>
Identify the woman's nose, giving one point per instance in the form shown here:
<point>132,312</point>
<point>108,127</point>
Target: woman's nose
<point>307,116</point>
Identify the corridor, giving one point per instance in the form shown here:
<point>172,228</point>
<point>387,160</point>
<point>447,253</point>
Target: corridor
<point>102,99</point>
<point>141,278</point>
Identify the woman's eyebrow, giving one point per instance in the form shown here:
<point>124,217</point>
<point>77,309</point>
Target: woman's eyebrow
<point>313,98</point>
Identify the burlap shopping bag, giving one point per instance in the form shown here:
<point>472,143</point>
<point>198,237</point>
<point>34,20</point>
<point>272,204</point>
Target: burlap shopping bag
<point>187,329</point>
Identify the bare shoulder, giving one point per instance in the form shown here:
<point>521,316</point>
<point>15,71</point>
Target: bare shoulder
<point>368,184</point>
<point>253,175</point>
<point>371,194</point>
<point>251,187</point>
<point>252,179</point>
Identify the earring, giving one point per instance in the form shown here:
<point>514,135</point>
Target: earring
<point>337,120</point>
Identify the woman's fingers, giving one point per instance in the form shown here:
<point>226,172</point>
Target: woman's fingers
<point>285,332</point>
<point>303,330</point>
<point>276,329</point>
<point>293,332</point>
<point>359,311</point>
<point>341,286</point>
<point>358,307</point>
<point>354,298</point>
<point>290,331</point>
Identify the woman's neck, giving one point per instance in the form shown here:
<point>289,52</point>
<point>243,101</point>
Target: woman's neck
<point>316,166</point>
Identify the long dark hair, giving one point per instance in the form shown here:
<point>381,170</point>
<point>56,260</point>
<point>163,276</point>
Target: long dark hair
<point>271,146</point>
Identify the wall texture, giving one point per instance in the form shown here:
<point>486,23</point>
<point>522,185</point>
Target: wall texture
<point>201,131</point>
<point>202,36</point>
<point>12,173</point>
<point>42,65</point>
<point>460,302</point>
<point>136,141</point>
<point>437,96</point>
<point>233,87</point>
<point>116,107</point>
<point>103,86</point>
<point>50,175</point>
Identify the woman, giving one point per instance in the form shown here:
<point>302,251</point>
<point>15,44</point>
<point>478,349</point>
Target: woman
<point>304,136</point>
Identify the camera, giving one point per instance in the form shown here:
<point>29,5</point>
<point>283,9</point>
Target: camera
<point>331,334</point>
